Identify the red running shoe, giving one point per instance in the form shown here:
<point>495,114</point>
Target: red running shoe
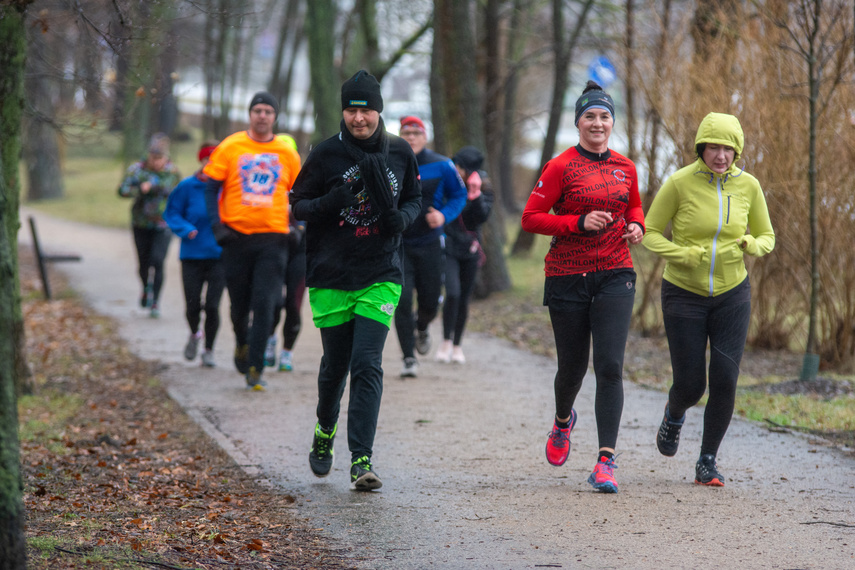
<point>603,477</point>
<point>558,444</point>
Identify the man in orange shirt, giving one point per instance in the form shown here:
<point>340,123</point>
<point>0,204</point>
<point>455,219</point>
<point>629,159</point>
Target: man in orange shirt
<point>251,173</point>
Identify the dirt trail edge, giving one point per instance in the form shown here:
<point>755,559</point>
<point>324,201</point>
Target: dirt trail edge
<point>460,452</point>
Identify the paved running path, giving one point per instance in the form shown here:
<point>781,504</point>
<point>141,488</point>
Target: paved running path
<point>460,452</point>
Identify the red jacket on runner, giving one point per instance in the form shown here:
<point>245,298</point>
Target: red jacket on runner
<point>573,184</point>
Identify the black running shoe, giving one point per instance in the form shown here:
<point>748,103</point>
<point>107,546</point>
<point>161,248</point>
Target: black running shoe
<point>706,472</point>
<point>242,358</point>
<point>362,475</point>
<point>321,456</point>
<point>668,437</point>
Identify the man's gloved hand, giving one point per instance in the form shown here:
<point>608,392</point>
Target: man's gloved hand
<point>393,221</point>
<point>223,234</point>
<point>343,195</point>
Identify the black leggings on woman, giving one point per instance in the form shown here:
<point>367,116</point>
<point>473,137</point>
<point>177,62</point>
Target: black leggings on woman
<point>459,283</point>
<point>691,320</point>
<point>584,308</point>
<point>196,273</point>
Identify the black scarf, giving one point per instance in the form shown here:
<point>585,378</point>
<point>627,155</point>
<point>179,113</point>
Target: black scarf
<point>371,154</point>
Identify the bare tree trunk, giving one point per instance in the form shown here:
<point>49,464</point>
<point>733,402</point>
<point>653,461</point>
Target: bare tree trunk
<point>509,111</point>
<point>41,148</point>
<point>290,37</point>
<point>563,52</point>
<point>320,21</point>
<point>629,83</point>
<point>13,546</point>
<point>461,118</point>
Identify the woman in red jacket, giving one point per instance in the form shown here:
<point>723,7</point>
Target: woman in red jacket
<point>592,193</point>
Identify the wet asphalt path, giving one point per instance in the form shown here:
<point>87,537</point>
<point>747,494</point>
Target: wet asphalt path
<point>460,452</point>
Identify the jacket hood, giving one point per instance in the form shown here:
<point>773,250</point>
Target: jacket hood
<point>719,128</point>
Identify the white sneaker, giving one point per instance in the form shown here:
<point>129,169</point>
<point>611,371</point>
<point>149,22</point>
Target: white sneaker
<point>411,367</point>
<point>208,359</point>
<point>457,355</point>
<point>443,353</point>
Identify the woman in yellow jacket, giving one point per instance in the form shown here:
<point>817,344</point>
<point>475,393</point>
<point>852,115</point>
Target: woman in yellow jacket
<point>718,214</point>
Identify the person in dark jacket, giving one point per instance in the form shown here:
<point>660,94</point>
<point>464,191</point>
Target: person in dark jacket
<point>149,183</point>
<point>187,217</point>
<point>463,252</point>
<point>443,198</point>
<point>357,193</point>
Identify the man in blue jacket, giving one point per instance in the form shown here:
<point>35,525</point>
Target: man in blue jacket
<point>443,198</point>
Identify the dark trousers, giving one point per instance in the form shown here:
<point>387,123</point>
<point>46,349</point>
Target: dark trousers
<point>584,309</point>
<point>356,347</point>
<point>690,321</point>
<point>460,277</point>
<point>152,245</point>
<point>423,267</point>
<point>196,274</point>
<point>292,300</point>
<point>254,267</point>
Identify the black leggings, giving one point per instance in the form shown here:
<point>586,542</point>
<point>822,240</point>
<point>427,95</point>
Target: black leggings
<point>460,277</point>
<point>584,308</point>
<point>152,245</point>
<point>195,274</point>
<point>423,267</point>
<point>292,300</point>
<point>691,320</point>
<point>356,347</point>
<point>254,267</point>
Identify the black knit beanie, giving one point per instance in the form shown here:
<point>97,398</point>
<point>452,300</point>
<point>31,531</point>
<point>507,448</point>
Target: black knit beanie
<point>594,96</point>
<point>267,99</point>
<point>469,158</point>
<point>362,90</point>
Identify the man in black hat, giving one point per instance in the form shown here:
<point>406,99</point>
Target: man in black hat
<point>250,174</point>
<point>357,192</point>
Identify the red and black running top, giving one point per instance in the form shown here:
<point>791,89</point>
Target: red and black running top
<point>573,184</point>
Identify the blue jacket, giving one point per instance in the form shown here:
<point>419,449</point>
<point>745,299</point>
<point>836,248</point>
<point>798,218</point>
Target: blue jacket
<point>185,212</point>
<point>443,189</point>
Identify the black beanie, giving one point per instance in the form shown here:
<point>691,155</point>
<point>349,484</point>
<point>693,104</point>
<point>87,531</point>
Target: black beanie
<point>469,157</point>
<point>362,90</point>
<point>267,99</point>
<point>594,96</point>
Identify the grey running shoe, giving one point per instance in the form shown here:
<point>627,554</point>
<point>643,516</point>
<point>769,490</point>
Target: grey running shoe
<point>321,456</point>
<point>208,359</point>
<point>668,438</point>
<point>286,361</point>
<point>422,342</point>
<point>706,472</point>
<point>254,381</point>
<point>411,367</point>
<point>242,358</point>
<point>192,346</point>
<point>362,475</point>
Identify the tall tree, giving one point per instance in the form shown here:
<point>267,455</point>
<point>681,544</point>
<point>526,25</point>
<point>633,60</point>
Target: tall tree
<point>563,45</point>
<point>821,42</point>
<point>41,140</point>
<point>320,24</point>
<point>13,547</point>
<point>458,107</point>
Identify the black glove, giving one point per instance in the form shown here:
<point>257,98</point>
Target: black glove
<point>393,221</point>
<point>224,234</point>
<point>343,195</point>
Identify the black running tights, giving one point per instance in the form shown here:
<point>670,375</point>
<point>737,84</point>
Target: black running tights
<point>690,321</point>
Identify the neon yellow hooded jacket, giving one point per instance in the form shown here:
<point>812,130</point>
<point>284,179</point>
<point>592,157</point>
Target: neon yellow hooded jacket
<point>710,216</point>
